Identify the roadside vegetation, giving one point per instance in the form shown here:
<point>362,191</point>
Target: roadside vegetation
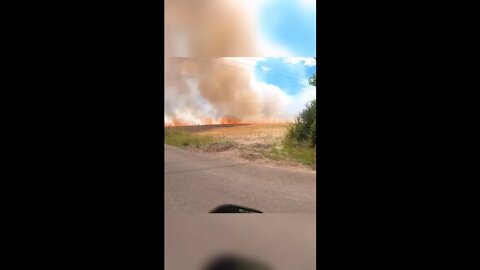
<point>304,130</point>
<point>291,151</point>
<point>300,144</point>
<point>283,151</point>
<point>182,138</point>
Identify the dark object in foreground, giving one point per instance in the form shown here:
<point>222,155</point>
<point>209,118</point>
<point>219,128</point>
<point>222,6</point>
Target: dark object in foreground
<point>229,262</point>
<point>231,208</point>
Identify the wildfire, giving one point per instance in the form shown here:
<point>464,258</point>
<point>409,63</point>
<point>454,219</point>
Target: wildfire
<point>176,123</point>
<point>226,120</point>
<point>230,121</point>
<point>208,121</point>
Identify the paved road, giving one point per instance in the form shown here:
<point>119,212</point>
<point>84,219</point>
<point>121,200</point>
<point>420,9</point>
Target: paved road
<point>198,182</point>
<point>281,241</point>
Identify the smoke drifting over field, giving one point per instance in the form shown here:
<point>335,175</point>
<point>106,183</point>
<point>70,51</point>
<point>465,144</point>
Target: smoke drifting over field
<point>198,91</point>
<point>222,91</point>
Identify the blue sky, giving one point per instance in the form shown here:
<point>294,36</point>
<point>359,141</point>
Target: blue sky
<point>289,74</point>
<point>291,24</point>
<point>283,79</point>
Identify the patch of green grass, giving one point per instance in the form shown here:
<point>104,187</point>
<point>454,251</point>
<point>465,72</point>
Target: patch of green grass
<point>182,138</point>
<point>289,150</point>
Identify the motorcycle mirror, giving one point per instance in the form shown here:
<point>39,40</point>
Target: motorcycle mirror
<point>231,208</point>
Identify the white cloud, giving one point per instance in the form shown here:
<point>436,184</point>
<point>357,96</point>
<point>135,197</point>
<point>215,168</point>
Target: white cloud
<point>245,62</point>
<point>307,61</point>
<point>265,69</point>
<point>310,4</point>
<point>253,7</point>
<point>270,49</point>
<point>310,62</point>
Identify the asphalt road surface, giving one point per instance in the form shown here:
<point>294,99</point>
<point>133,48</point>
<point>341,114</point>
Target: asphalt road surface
<point>280,241</point>
<point>199,182</point>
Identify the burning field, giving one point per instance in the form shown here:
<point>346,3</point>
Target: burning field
<point>230,87</point>
<point>212,107</point>
<point>220,91</point>
<point>226,90</point>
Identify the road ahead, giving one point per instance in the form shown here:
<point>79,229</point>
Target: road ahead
<point>197,183</point>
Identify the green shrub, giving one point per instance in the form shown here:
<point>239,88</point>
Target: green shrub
<point>304,129</point>
<point>312,136</point>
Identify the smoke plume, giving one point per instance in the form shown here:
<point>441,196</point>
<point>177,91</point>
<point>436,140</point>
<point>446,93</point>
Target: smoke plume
<point>216,28</point>
<point>203,89</point>
<point>216,90</point>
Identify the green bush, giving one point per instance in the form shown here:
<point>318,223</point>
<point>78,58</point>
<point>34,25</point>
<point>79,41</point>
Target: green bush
<point>312,136</point>
<point>304,129</point>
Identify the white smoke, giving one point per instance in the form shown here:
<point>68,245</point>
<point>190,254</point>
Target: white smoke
<point>210,90</point>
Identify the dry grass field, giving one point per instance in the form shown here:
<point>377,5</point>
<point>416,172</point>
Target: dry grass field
<point>261,143</point>
<point>244,134</point>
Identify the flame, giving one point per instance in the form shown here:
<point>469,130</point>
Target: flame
<point>230,121</point>
<point>225,120</point>
<point>208,121</point>
<point>176,123</point>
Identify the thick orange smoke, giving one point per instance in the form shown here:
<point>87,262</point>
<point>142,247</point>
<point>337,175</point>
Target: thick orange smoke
<point>198,91</point>
<point>217,28</point>
<point>217,91</point>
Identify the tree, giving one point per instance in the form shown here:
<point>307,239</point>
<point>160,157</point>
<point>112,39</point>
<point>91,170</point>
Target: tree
<point>304,130</point>
<point>313,79</point>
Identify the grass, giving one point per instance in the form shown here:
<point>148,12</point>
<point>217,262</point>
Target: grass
<point>285,150</point>
<point>289,150</point>
<point>182,138</point>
